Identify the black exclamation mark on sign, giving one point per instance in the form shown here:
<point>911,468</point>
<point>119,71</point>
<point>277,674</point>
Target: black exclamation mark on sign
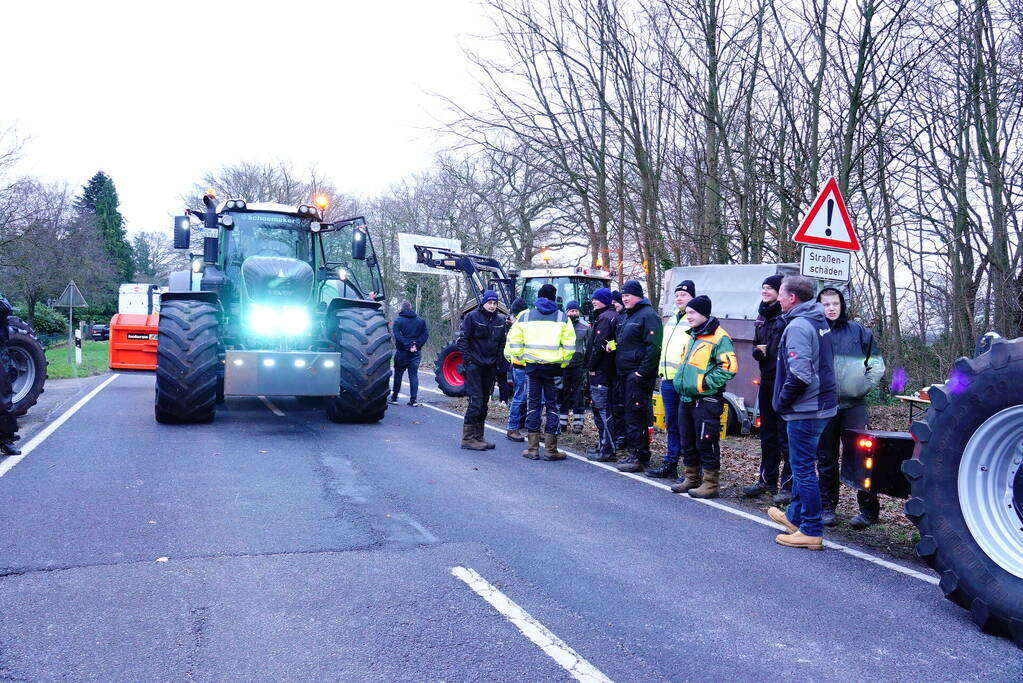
<point>831,210</point>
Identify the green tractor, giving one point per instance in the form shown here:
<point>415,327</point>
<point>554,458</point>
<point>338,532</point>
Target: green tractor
<point>279,304</point>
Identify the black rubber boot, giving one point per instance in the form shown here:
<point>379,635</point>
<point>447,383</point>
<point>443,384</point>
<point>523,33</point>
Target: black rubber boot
<point>667,470</point>
<point>861,521</point>
<point>758,489</point>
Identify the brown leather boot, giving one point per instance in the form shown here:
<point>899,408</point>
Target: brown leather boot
<point>778,515</point>
<point>469,441</point>
<point>800,540</point>
<point>515,435</point>
<point>709,487</point>
<point>533,449</point>
<point>550,448</point>
<point>480,429</point>
<point>691,480</point>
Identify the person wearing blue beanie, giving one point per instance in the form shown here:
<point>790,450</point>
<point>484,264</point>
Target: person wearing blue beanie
<point>570,396</point>
<point>603,295</point>
<point>481,343</point>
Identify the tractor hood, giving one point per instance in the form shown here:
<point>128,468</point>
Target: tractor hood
<point>277,280</point>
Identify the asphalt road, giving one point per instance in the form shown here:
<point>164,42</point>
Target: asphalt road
<point>274,545</point>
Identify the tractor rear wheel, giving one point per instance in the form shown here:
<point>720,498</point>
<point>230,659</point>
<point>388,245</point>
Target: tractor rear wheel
<point>366,349</point>
<point>29,359</point>
<point>448,371</point>
<point>187,362</point>
<point>967,483</point>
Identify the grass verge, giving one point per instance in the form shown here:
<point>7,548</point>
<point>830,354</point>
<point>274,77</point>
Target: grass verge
<point>94,361</point>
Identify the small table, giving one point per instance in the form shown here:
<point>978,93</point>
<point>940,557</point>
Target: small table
<point>915,404</point>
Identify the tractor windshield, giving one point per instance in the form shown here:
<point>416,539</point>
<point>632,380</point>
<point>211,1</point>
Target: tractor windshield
<point>266,234</point>
<point>364,274</point>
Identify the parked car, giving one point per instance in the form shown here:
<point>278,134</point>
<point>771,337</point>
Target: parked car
<point>99,332</point>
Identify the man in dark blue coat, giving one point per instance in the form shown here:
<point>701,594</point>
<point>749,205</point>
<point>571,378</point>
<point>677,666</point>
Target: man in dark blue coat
<point>410,335</point>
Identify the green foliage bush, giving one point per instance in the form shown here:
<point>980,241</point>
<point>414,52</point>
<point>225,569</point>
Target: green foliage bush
<point>47,320</point>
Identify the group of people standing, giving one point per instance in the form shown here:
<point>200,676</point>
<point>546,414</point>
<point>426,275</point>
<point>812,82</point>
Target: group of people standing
<point>816,368</point>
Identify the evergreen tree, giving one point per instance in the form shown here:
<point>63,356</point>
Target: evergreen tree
<point>99,201</point>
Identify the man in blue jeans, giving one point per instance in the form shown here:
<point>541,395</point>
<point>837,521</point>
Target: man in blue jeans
<point>673,346</point>
<point>806,397</point>
<point>517,407</point>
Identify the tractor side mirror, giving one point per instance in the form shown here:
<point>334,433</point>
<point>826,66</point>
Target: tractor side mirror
<point>182,232</point>
<point>358,244</point>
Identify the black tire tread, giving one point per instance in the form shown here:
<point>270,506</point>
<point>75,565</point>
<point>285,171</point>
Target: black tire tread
<point>365,344</point>
<point>187,362</point>
<point>22,334</point>
<point>969,578</point>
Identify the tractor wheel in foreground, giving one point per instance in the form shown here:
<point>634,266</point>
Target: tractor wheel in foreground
<point>187,362</point>
<point>448,371</point>
<point>366,349</point>
<point>29,359</point>
<point>967,484</point>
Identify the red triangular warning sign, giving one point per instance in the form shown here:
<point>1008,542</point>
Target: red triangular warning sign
<point>827,222</point>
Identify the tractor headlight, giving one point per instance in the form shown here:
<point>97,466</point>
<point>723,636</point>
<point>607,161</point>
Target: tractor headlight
<point>262,320</point>
<point>295,321</point>
<point>289,321</point>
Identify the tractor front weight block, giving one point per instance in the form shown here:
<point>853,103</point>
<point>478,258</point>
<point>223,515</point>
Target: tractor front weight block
<point>281,373</point>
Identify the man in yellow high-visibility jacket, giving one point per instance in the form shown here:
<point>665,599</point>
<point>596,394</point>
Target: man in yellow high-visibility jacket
<point>544,339</point>
<point>673,345</point>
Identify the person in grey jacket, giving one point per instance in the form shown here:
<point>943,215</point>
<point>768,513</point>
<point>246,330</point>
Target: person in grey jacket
<point>574,377</point>
<point>805,396</point>
<point>858,369</point>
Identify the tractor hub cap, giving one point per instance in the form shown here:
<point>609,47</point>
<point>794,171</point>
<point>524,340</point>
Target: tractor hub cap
<point>991,488</point>
<point>26,372</point>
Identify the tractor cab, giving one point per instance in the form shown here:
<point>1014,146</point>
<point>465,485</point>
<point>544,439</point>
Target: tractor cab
<point>573,284</point>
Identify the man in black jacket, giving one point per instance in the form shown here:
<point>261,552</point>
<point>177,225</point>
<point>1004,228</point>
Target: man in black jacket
<point>637,349</point>
<point>774,442</point>
<point>858,369</point>
<point>617,391</point>
<point>600,366</point>
<point>481,342</point>
<point>8,423</point>
<point>410,335</point>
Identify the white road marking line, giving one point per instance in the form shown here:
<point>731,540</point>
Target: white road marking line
<point>881,562</point>
<point>556,648</point>
<point>8,463</point>
<point>273,409</point>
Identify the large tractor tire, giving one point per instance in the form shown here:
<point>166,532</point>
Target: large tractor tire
<point>448,371</point>
<point>29,359</point>
<point>187,362</point>
<point>967,483</point>
<point>366,350</point>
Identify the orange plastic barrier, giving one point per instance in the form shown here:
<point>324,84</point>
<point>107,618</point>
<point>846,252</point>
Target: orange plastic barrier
<point>133,341</point>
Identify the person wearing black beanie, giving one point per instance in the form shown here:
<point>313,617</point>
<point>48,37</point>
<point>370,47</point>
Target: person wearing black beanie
<point>637,349</point>
<point>687,286</point>
<point>707,365</point>
<point>517,406</point>
<point>774,442</point>
<point>548,291</point>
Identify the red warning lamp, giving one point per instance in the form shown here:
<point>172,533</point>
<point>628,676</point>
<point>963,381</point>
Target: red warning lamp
<point>865,444</point>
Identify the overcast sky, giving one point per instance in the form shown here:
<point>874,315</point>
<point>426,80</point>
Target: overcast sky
<point>157,94</point>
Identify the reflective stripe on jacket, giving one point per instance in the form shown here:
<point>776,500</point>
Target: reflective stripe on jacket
<point>541,335</point>
<point>673,345</point>
<point>708,364</point>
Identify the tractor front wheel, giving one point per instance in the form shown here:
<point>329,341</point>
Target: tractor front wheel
<point>187,362</point>
<point>365,345</point>
<point>449,372</point>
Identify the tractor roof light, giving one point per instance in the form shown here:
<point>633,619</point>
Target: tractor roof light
<point>211,193</point>
<point>322,201</point>
<point>315,226</point>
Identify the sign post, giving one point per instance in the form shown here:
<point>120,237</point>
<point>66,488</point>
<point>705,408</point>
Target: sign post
<point>828,237</point>
<point>69,298</point>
